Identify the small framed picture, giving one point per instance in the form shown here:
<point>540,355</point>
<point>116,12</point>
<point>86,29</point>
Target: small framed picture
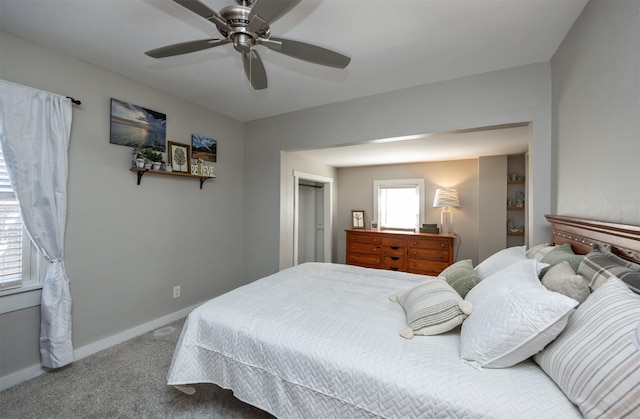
<point>374,225</point>
<point>179,157</point>
<point>357,219</point>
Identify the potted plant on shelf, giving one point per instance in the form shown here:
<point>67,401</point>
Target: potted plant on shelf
<point>156,159</point>
<point>138,157</point>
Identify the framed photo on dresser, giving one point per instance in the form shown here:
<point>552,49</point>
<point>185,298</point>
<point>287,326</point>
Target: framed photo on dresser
<point>357,219</point>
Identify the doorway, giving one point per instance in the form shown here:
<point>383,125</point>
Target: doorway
<point>312,218</point>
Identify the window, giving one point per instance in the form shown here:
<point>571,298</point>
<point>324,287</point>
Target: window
<point>14,254</point>
<point>399,204</point>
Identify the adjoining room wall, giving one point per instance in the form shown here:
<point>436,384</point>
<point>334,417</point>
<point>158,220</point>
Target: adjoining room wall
<point>521,94</point>
<point>356,192</point>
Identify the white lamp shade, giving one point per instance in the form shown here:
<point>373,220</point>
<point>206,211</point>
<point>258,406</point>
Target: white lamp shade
<point>446,198</point>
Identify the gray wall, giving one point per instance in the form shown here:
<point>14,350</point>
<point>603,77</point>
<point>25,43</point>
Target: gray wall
<point>521,94</point>
<point>491,220</point>
<point>596,109</point>
<point>128,245</point>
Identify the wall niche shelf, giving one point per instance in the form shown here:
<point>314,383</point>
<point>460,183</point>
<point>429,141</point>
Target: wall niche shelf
<point>141,172</point>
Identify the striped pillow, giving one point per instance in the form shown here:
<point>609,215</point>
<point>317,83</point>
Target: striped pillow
<point>433,307</point>
<point>538,252</point>
<point>596,359</point>
<point>599,265</point>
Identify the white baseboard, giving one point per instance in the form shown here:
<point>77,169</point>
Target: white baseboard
<point>28,373</point>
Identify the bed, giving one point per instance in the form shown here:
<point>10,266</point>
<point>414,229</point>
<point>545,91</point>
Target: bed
<point>322,340</point>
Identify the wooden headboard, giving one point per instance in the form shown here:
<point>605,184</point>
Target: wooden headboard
<point>624,239</point>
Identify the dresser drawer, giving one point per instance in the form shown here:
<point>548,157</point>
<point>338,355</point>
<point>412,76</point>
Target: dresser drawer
<point>395,242</point>
<point>394,262</point>
<point>429,254</point>
<point>364,239</point>
<point>361,259</point>
<point>394,251</point>
<point>429,243</point>
<point>364,248</point>
<point>426,267</point>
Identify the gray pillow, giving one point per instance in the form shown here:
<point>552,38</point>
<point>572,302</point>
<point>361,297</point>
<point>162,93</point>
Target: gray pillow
<point>559,254</point>
<point>461,276</point>
<point>563,279</point>
<point>432,307</point>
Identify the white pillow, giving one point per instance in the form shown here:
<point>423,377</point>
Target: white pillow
<point>596,360</point>
<point>500,260</point>
<point>514,317</point>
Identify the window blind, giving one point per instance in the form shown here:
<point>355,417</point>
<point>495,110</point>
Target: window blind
<point>11,236</point>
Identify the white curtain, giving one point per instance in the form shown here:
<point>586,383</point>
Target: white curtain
<point>34,134</point>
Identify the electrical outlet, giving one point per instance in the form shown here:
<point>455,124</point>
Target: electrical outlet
<point>176,291</point>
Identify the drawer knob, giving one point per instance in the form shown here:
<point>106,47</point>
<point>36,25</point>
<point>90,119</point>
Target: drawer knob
<point>441,255</point>
<point>442,245</point>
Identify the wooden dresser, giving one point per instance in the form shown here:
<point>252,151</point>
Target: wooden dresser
<point>421,253</point>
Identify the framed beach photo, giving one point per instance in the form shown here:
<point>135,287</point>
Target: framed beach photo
<point>357,219</point>
<point>135,126</point>
<point>179,157</point>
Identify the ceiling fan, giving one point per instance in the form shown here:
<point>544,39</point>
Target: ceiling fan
<point>246,27</point>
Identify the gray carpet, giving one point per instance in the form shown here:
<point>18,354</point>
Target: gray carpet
<point>125,381</point>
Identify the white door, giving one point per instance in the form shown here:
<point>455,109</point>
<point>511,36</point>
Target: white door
<point>312,218</point>
<point>310,222</point>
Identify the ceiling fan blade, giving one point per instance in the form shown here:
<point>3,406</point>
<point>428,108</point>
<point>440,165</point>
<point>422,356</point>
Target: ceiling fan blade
<point>256,23</point>
<point>203,10</point>
<point>185,47</point>
<point>307,52</point>
<point>254,69</point>
<point>272,10</point>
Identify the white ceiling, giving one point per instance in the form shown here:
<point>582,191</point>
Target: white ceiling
<point>393,44</point>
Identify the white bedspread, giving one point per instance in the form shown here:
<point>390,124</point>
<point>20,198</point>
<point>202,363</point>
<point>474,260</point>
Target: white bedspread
<point>321,340</point>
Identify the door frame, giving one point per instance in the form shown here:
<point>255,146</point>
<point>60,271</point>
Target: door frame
<point>328,211</point>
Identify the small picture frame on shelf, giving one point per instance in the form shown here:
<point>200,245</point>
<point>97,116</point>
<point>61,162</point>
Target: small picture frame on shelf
<point>357,219</point>
<point>179,157</point>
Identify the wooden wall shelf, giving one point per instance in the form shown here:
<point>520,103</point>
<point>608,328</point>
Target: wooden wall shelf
<point>141,172</point>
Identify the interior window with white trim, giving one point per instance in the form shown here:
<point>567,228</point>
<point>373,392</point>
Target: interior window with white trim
<point>15,247</point>
<point>398,203</point>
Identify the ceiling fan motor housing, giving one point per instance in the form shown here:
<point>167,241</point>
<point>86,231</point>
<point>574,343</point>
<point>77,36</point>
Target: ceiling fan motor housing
<point>237,18</point>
